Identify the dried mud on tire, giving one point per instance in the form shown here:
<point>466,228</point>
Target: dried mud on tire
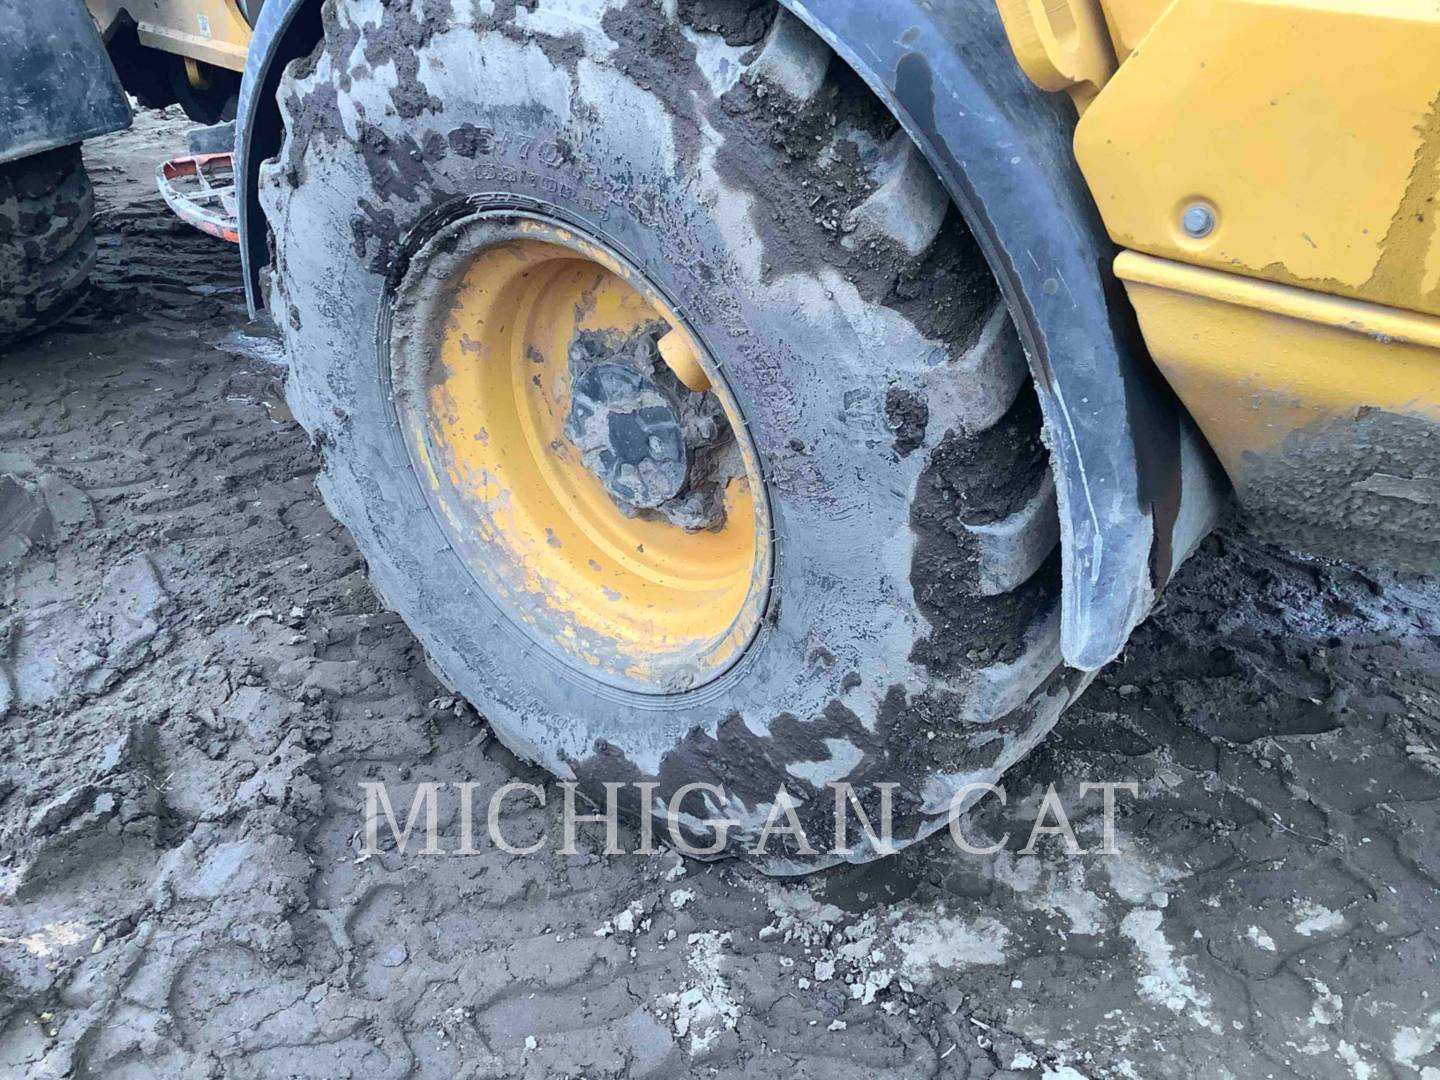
<point>802,236</point>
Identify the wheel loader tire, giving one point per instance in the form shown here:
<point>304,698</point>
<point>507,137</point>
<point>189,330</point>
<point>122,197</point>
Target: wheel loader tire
<point>47,240</point>
<point>743,179</point>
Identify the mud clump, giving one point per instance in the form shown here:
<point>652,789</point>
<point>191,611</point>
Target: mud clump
<point>983,478</point>
<point>830,145</point>
<point>976,480</point>
<point>739,22</point>
<point>908,416</point>
<point>25,519</point>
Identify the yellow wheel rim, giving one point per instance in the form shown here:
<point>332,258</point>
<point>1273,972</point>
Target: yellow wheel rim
<point>480,340</point>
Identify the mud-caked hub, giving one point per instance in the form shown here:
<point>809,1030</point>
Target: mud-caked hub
<point>654,443</point>
<point>628,432</point>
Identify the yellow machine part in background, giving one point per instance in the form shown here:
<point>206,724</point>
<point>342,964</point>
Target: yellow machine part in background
<point>212,32</point>
<point>1273,167</point>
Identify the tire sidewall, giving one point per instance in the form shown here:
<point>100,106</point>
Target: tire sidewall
<point>807,359</point>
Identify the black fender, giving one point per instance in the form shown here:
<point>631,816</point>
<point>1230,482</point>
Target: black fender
<point>1123,449</point>
<point>57,85</point>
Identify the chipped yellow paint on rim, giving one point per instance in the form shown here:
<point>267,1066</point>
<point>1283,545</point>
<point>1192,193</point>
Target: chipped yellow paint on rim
<point>479,365</point>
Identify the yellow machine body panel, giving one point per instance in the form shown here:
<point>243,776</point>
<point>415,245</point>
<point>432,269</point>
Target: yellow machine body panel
<point>211,31</point>
<point>1130,20</point>
<point>1310,129</point>
<point>1324,411</point>
<point>1274,168</point>
<point>1064,46</point>
<point>1075,45</point>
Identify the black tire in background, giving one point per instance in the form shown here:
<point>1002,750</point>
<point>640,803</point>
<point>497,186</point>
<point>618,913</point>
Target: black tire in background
<point>212,102</point>
<point>47,239</point>
<point>912,634</point>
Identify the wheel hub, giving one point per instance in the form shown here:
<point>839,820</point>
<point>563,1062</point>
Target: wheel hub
<point>653,441</point>
<point>628,433</point>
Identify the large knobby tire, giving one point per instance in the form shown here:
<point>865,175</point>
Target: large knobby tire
<point>47,239</point>
<point>910,633</point>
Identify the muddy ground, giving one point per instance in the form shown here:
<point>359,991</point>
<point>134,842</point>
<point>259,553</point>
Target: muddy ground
<point>195,678</point>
